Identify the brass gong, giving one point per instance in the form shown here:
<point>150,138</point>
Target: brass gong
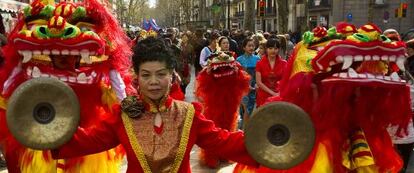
<point>280,135</point>
<point>43,113</point>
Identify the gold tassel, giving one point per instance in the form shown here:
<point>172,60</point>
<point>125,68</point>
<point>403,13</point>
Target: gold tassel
<point>3,103</point>
<point>108,96</point>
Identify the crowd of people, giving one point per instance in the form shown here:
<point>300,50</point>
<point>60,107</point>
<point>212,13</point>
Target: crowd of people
<point>247,47</point>
<point>263,55</point>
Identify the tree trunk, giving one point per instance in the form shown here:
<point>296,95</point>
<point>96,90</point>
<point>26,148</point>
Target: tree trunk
<point>303,23</point>
<point>370,11</point>
<point>283,12</point>
<point>249,18</point>
<point>216,11</point>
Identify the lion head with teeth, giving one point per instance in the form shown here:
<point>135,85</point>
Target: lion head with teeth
<point>222,64</point>
<point>80,44</point>
<point>348,81</point>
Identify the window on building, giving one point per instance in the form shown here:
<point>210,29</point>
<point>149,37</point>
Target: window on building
<point>379,2</point>
<point>269,6</point>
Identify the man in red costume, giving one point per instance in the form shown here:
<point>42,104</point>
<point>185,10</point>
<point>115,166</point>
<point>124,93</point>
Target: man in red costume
<point>82,45</point>
<point>221,86</point>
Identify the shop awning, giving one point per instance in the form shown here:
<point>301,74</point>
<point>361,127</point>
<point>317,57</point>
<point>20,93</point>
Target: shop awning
<point>11,6</point>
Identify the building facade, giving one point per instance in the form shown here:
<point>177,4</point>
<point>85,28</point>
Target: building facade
<point>306,14</point>
<point>382,12</point>
<point>9,12</point>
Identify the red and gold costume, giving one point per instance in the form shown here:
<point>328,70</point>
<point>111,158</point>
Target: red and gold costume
<point>345,80</point>
<point>221,87</point>
<point>150,149</point>
<point>82,45</point>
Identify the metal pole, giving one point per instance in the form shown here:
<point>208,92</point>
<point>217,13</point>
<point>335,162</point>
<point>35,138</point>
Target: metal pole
<point>228,14</point>
<point>399,18</point>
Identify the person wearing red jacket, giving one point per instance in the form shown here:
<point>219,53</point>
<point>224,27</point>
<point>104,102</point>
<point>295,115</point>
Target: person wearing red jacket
<point>156,131</point>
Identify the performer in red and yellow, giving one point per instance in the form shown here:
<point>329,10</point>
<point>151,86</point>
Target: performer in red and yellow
<point>157,132</point>
<point>220,87</point>
<point>82,45</point>
<point>342,78</point>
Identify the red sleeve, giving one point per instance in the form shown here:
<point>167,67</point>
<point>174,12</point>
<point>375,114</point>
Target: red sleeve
<point>259,67</point>
<point>95,139</point>
<point>229,145</point>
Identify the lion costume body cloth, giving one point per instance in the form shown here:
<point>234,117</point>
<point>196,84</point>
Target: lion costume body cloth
<point>221,86</point>
<point>82,45</point>
<point>347,81</point>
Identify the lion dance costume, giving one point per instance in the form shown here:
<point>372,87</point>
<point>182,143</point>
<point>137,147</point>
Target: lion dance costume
<point>82,45</point>
<point>347,81</point>
<point>220,86</point>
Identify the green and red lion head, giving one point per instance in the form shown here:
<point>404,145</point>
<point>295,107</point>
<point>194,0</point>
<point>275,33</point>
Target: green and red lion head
<point>80,44</point>
<point>349,80</point>
<point>72,42</point>
<point>222,64</point>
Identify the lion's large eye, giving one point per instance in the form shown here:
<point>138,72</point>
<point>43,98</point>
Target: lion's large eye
<point>32,25</point>
<point>361,37</point>
<point>84,27</point>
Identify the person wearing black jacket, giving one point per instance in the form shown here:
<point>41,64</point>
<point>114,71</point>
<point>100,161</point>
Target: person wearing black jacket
<point>233,43</point>
<point>199,43</point>
<point>410,59</point>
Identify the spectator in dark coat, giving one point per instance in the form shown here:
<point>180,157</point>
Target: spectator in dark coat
<point>199,43</point>
<point>233,44</point>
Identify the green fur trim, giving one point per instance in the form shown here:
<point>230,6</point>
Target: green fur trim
<point>332,32</point>
<point>27,11</point>
<point>47,11</point>
<point>80,12</point>
<point>307,37</point>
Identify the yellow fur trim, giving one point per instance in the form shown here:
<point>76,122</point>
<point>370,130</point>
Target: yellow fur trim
<point>181,149</point>
<point>48,2</point>
<point>3,103</point>
<point>322,163</point>
<point>35,161</point>
<point>104,162</point>
<point>66,10</point>
<point>108,96</point>
<point>303,56</point>
<point>58,10</point>
<point>367,169</point>
<point>60,21</point>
